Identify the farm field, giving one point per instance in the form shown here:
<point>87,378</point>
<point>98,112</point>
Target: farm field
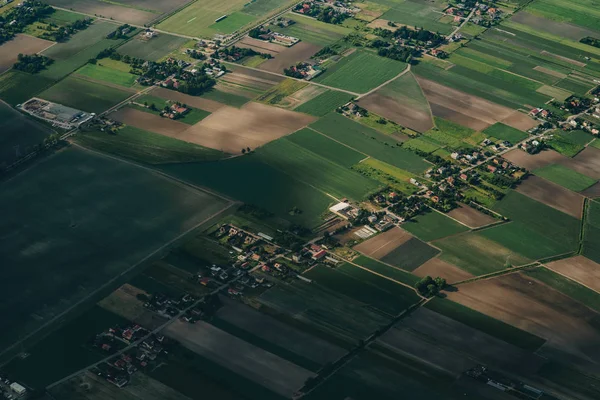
<point>21,44</point>
<point>579,269</point>
<point>417,13</point>
<point>323,146</point>
<point>439,267</point>
<point>570,143</point>
<point>247,82</point>
<point>201,103</point>
<point>280,93</point>
<point>144,103</point>
<point>123,302</point>
<point>359,137</point>
<point>389,175</point>
<point>84,95</point>
<point>349,73</point>
<point>410,255</point>
<point>138,12</point>
<point>381,245</point>
<point>99,72</point>
<point>16,87</point>
<point>149,122</point>
<point>290,56</point>
<point>516,299</point>
<point>146,147</point>
<point>586,162</point>
<point>471,217</point>
<point>505,132</point>
<point>223,97</point>
<point>153,49</point>
<point>20,134</point>
<point>107,255</point>
<point>401,101</point>
<point>565,177</point>
<point>230,129</point>
<point>386,270</point>
<point>433,225</point>
<point>580,13</point>
<point>531,162</point>
<point>324,103</point>
<point>552,195</point>
<point>312,31</point>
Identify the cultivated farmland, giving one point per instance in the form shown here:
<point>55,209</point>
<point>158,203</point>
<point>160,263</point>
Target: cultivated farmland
<point>580,269</point>
<point>153,49</point>
<point>325,147</point>
<point>439,267</point>
<point>290,56</point>
<point>470,216</point>
<point>149,122</point>
<point>312,31</point>
<point>565,177</point>
<point>52,250</point>
<point>382,244</point>
<point>322,104</point>
<point>433,225</point>
<point>21,44</point>
<point>505,132</point>
<point>552,195</point>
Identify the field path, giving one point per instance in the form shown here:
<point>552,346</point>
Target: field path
<point>407,69</point>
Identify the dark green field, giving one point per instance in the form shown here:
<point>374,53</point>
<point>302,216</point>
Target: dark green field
<point>386,270</point>
<point>565,177</point>
<point>505,132</point>
<point>102,219</point>
<point>433,225</point>
<point>410,255</point>
<point>570,143</point>
<point>325,147</point>
<point>324,103</point>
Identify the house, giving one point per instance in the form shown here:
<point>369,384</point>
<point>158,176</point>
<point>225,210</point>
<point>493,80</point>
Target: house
<point>491,168</point>
<point>534,112</point>
<point>464,177</point>
<point>179,109</point>
<point>319,255</point>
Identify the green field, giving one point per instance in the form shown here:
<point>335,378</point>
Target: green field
<point>505,132</point>
<point>324,103</point>
<point>417,14</point>
<point>350,73</point>
<point>325,147</point>
<point>82,218</point>
<point>17,87</point>
<point>369,141</point>
<point>104,73</point>
<point>153,49</point>
<point>591,239</point>
<point>229,99</point>
<point>146,147</point>
<point>312,31</point>
<point>252,181</point>
<point>410,255</point>
<point>570,143</point>
<point>364,287</point>
<point>84,95</point>
<point>433,225</point>
<point>407,92</point>
<point>316,170</point>
<point>385,270</point>
<point>571,288</point>
<point>486,324</point>
<point>277,93</point>
<point>565,177</point>
<point>423,143</point>
<point>389,175</point>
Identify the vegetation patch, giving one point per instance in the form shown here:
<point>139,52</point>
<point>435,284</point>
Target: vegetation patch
<point>410,255</point>
<point>325,147</point>
<point>324,103</point>
<point>433,225</point>
<point>505,132</point>
<point>569,143</point>
<point>565,177</point>
<point>386,270</point>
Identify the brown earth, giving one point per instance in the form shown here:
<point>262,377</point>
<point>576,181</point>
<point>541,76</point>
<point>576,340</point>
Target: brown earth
<point>550,72</point>
<point>531,162</point>
<point>401,114</point>
<point>260,46</point>
<point>278,333</point>
<point>470,216</point>
<point>520,121</point>
<point>592,192</point>
<point>240,357</point>
<point>240,78</point>
<point>290,56</point>
<point>468,110</point>
<point>586,162</point>
<point>580,269</point>
<point>107,10</point>
<point>437,267</point>
<point>552,195</point>
<point>230,129</point>
<point>254,73</point>
<point>452,340</point>
<point>124,302</point>
<point>528,304</point>
<point>193,101</point>
<point>150,122</point>
<point>384,243</point>
<point>24,44</point>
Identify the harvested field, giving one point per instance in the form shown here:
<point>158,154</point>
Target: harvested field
<point>260,46</point>
<point>592,192</point>
<point>192,101</point>
<point>471,217</point>
<point>438,267</point>
<point>552,195</point>
<point>383,244</point>
<point>580,269</point>
<point>240,78</point>
<point>24,44</point>
<point>303,95</point>
<point>586,162</point>
<point>389,108</point>
<point>150,122</point>
<point>534,307</point>
<point>230,129</point>
<point>531,162</point>
<point>450,336</point>
<point>469,110</point>
<point>279,333</point>
<point>563,29</point>
<point>290,56</point>
<point>249,361</point>
<point>124,302</point>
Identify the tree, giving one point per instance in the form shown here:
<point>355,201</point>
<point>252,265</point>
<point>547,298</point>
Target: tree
<point>430,287</point>
<point>243,151</point>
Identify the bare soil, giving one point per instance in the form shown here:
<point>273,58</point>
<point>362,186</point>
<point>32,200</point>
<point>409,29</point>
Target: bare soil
<point>534,307</point>
<point>531,162</point>
<point>193,101</point>
<point>290,56</point>
<point>436,267</point>
<point>231,130</point>
<point>580,269</point>
<point>563,29</point>
<point>149,122</point>
<point>278,333</point>
<point>124,302</point>
<point>592,192</point>
<point>384,243</point>
<point>587,162</point>
<point>468,110</point>
<point>260,46</point>
<point>108,10</point>
<point>20,44</point>
<point>238,77</point>
<point>260,366</point>
<point>401,114</point>
<point>552,195</point>
<point>302,96</point>
<point>550,72</point>
<point>470,216</point>
<point>520,121</point>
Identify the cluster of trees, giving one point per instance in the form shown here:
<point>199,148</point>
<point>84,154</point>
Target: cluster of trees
<point>429,286</point>
<point>237,53</point>
<point>256,32</point>
<point>22,16</point>
<point>323,14</point>
<point>294,71</point>
<point>400,53</point>
<point>32,63</point>
<point>121,32</point>
<point>418,35</point>
<point>63,33</point>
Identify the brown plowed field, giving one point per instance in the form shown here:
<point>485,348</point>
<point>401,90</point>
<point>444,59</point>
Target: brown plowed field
<point>580,269</point>
<point>124,302</point>
<point>384,243</point>
<point>231,130</point>
<point>553,195</point>
<point>470,216</point>
<point>469,110</point>
<point>24,44</point>
<point>436,267</point>
<point>240,78</point>
<point>520,121</point>
<point>532,306</point>
<point>149,122</point>
<point>563,29</point>
<point>192,101</point>
<point>531,162</point>
<point>391,109</point>
<point>240,357</point>
<point>587,162</point>
<point>592,192</point>
<point>108,10</point>
<point>290,56</point>
<point>260,46</point>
